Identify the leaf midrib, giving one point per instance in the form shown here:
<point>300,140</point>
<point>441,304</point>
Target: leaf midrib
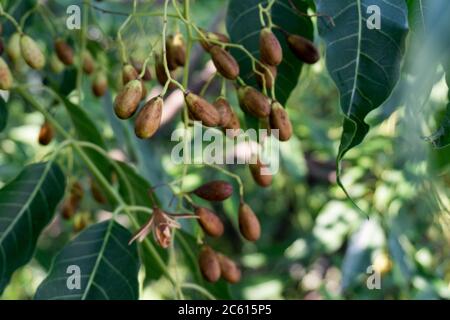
<point>358,57</point>
<point>98,260</point>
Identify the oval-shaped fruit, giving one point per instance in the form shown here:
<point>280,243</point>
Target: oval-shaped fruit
<point>269,47</point>
<point>279,119</point>
<point>88,63</point>
<point>269,74</point>
<point>261,173</point>
<point>13,48</point>
<point>216,36</point>
<point>225,111</point>
<point>303,48</point>
<point>224,62</point>
<point>202,110</point>
<point>128,99</point>
<point>209,264</point>
<point>31,53</point>
<point>6,79</point>
<point>248,223</point>
<point>128,73</point>
<point>45,134</point>
<point>217,190</point>
<point>209,222</point>
<point>176,51</point>
<point>100,84</point>
<point>254,102</point>
<point>149,118</point>
<point>64,52</point>
<point>67,210</point>
<point>55,64</point>
<point>229,269</point>
<point>96,192</point>
<point>232,129</point>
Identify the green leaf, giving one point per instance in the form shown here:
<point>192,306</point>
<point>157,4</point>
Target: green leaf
<point>364,63</point>
<point>244,26</point>
<point>3,114</point>
<point>27,205</point>
<point>135,192</point>
<point>441,138</point>
<point>108,266</point>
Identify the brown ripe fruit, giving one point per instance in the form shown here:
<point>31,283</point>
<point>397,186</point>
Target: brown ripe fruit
<point>149,118</point>
<point>128,99</point>
<point>138,66</point>
<point>64,52</point>
<point>96,192</point>
<point>279,119</point>
<point>224,62</point>
<point>225,111</point>
<point>45,134</point>
<point>6,79</point>
<point>303,48</point>
<point>254,102</point>
<point>128,73</point>
<point>71,204</point>
<point>269,75</point>
<point>88,63</point>
<point>269,47</point>
<point>176,51</point>
<point>210,222</point>
<point>216,190</point>
<point>202,110</point>
<point>261,173</point>
<point>216,36</point>
<point>228,268</point>
<point>209,264</point>
<point>31,53</point>
<point>248,223</point>
<point>100,84</point>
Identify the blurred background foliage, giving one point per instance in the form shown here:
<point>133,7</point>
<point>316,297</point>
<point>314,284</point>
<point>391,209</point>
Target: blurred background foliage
<point>315,244</point>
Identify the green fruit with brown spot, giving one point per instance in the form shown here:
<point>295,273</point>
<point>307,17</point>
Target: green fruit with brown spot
<point>303,48</point>
<point>148,119</point>
<point>229,269</point>
<point>55,64</point>
<point>254,102</point>
<point>202,110</point>
<point>128,99</point>
<point>31,53</point>
<point>6,79</point>
<point>224,62</point>
<point>269,48</point>
<point>279,120</point>
<point>209,222</point>
<point>249,223</point>
<point>64,52</point>
<point>209,264</point>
